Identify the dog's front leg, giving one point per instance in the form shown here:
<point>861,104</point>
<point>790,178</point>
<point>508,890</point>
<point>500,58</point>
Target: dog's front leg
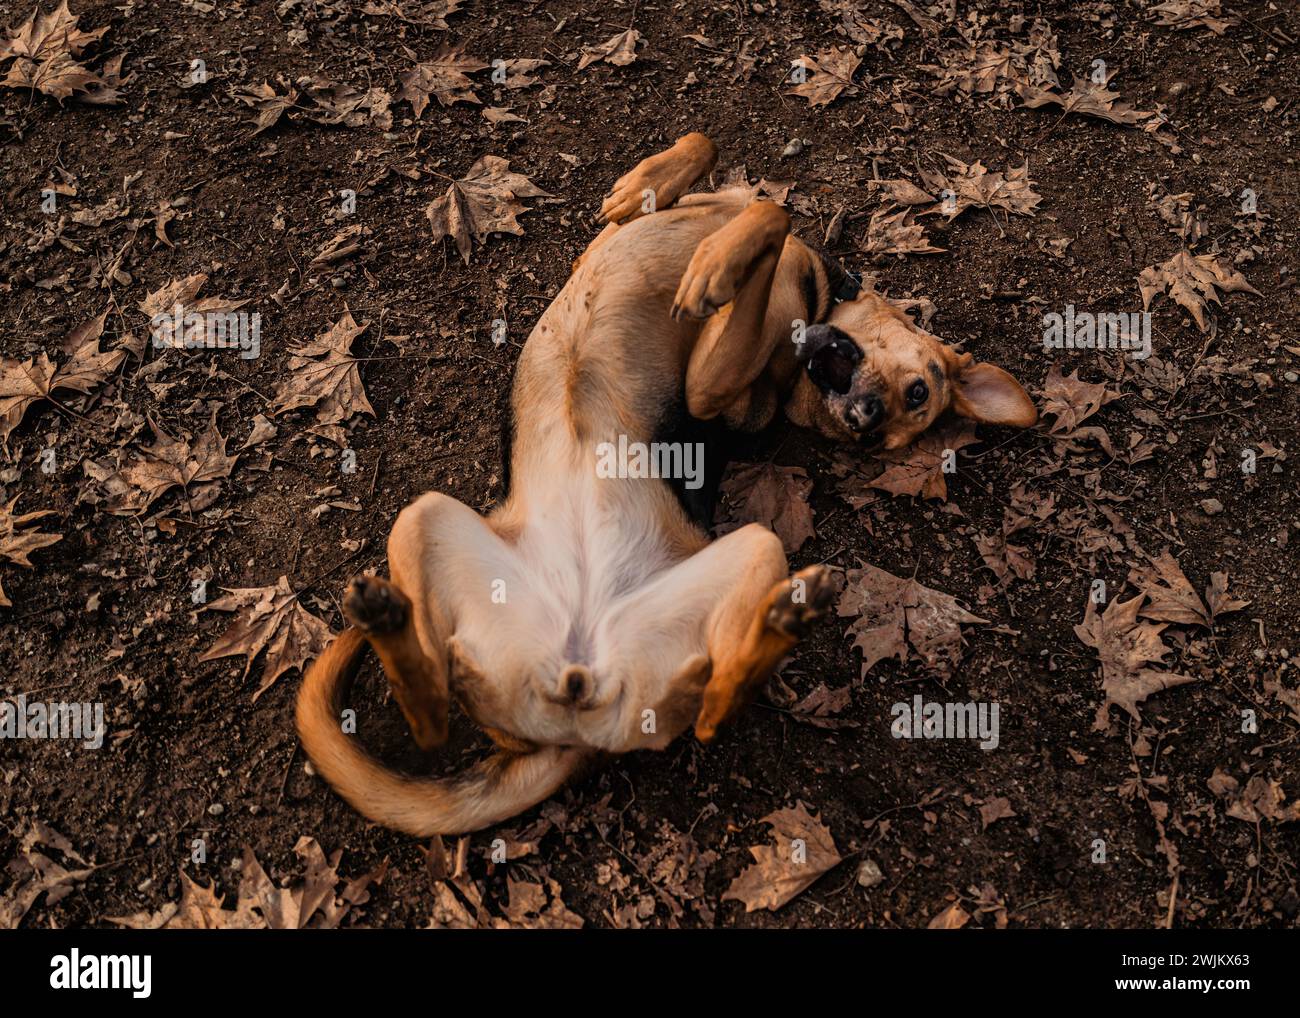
<point>729,282</point>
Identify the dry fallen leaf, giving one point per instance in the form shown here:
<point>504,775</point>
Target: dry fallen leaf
<point>828,75</point>
<point>619,50</point>
<point>1125,646</point>
<point>43,50</point>
<point>1170,597</point>
<point>1263,799</point>
<point>23,383</point>
<point>971,185</point>
<point>17,542</point>
<point>893,613</point>
<point>921,468</point>
<point>430,13</point>
<point>1086,97</point>
<point>1193,281</point>
<point>1072,401</point>
<point>170,463</point>
<point>1218,598</point>
<point>332,384</point>
<point>313,902</point>
<point>995,809</point>
<point>804,850</point>
<point>897,234</point>
<point>954,917</point>
<point>198,909</point>
<point>341,104</point>
<point>267,104</point>
<point>529,909</point>
<point>173,304</point>
<point>484,201</point>
<point>1187,14</point>
<point>35,873</point>
<point>270,618</point>
<point>444,76</point>
<point>775,497</point>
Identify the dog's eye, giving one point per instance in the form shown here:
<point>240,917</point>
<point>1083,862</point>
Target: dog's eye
<point>917,394</point>
<point>832,366</point>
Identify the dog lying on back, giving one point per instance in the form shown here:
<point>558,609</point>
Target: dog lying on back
<point>591,614</point>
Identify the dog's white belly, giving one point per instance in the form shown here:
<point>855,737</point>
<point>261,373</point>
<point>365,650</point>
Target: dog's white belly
<point>584,585</point>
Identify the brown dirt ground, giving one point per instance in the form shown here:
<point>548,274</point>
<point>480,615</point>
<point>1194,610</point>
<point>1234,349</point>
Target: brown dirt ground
<point>106,611</point>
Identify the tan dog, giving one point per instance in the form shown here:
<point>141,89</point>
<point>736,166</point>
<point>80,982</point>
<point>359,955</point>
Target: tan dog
<point>590,614</point>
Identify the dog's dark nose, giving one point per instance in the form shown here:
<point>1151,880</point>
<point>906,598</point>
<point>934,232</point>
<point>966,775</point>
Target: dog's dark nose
<point>866,414</point>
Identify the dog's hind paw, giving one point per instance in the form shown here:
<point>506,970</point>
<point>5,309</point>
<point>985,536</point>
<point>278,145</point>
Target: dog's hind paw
<point>802,601</point>
<point>374,605</point>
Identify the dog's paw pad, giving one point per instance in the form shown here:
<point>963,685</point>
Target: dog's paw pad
<point>802,601</point>
<point>374,605</point>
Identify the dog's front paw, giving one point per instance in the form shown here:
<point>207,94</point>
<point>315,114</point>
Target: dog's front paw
<point>802,601</point>
<point>710,281</point>
<point>375,606</point>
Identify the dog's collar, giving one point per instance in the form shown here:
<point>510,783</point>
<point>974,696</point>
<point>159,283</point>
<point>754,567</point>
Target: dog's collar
<point>850,287</point>
<point>842,284</point>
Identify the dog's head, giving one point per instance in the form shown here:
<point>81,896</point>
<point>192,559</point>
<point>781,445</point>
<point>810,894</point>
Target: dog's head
<point>872,377</point>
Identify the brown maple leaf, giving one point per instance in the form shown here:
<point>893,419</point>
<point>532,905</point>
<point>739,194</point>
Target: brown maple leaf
<point>484,201</point>
<point>324,374</point>
<point>1218,598</point>
<point>901,192</point>
<point>831,73</point>
<point>775,497</point>
<point>804,850</point>
<point>1188,14</point>
<point>1125,647</point>
<point>270,618</point>
<point>443,76</point>
<point>890,613</point>
<point>979,69</point>
<point>172,304</point>
<point>1193,281</point>
<point>23,383</point>
<point>342,104</point>
<point>17,541</point>
<point>1262,799</point>
<point>170,463</point>
<point>920,469</point>
<point>35,873</point>
<point>528,907</point>
<point>1170,597</point>
<point>312,902</point>
<point>431,13</point>
<point>1088,98</point>
<point>896,234</point>
<point>954,917</point>
<point>267,104</point>
<point>199,908</point>
<point>1072,401</point>
<point>972,185</point>
<point>43,50</point>
<point>619,50</point>
<point>1001,556</point>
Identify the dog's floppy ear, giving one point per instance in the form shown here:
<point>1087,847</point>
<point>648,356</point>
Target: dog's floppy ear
<point>986,393</point>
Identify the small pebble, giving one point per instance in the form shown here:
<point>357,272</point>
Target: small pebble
<point>1212,506</point>
<point>869,874</point>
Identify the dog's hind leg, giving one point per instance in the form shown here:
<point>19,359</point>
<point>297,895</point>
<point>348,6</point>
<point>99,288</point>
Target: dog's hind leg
<point>751,633</point>
<point>443,557</point>
<point>655,183</point>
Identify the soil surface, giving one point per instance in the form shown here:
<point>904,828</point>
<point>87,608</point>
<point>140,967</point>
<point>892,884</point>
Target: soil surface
<point>655,839</point>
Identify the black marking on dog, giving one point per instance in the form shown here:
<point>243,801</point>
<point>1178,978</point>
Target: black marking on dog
<point>936,373</point>
<point>718,441</point>
<point>506,442</point>
<point>811,297</point>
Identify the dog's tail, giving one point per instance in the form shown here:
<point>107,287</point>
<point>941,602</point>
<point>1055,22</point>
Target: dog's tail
<point>491,791</point>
